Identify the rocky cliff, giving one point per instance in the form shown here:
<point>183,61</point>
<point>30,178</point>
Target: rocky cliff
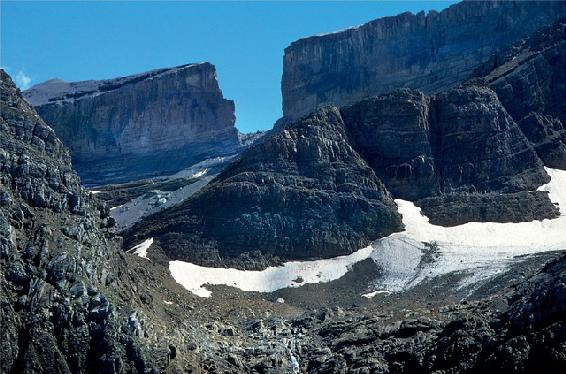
<point>56,255</point>
<point>303,193</point>
<point>530,81</point>
<point>319,187</point>
<point>459,146</point>
<point>430,52</point>
<point>460,140</point>
<point>141,125</point>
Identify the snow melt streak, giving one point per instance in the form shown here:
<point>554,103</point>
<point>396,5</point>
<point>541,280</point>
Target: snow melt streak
<point>141,249</point>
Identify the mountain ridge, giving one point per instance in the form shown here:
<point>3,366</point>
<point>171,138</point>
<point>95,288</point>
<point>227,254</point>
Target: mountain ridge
<point>126,128</point>
<point>428,52</point>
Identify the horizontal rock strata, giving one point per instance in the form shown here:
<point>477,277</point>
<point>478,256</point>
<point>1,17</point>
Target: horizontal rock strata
<point>142,125</point>
<point>430,52</point>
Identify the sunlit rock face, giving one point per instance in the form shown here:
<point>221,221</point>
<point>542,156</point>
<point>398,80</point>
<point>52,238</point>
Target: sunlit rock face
<point>430,52</point>
<point>145,124</point>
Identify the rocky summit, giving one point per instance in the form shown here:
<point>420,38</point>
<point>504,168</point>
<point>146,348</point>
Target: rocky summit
<point>142,125</point>
<point>303,193</point>
<point>430,52</point>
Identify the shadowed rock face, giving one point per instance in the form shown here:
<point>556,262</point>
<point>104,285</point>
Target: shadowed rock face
<point>478,147</point>
<point>392,132</point>
<point>314,189</point>
<point>429,52</point>
<point>146,124</point>
<point>530,80</point>
<point>454,153</point>
<point>56,255</point>
<point>303,193</point>
<point>459,208</point>
<point>461,140</point>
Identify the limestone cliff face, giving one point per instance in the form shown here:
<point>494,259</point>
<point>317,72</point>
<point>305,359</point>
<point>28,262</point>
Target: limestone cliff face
<point>530,80</point>
<point>123,128</point>
<point>429,52</point>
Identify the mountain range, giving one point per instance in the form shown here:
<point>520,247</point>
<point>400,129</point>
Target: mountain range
<point>406,215</point>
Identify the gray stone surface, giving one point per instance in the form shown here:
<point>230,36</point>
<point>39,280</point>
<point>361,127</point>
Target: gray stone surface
<point>303,193</point>
<point>530,80</point>
<point>55,252</point>
<point>454,209</point>
<point>142,125</point>
<point>460,140</point>
<point>430,52</point>
<point>393,133</point>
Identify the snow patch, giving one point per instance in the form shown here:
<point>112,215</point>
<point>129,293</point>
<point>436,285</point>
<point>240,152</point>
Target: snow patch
<point>477,250</point>
<point>199,173</point>
<point>141,249</point>
<point>371,295</point>
<point>194,277</point>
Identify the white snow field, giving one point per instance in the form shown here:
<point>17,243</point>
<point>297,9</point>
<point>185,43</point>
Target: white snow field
<point>194,277</point>
<point>476,250</point>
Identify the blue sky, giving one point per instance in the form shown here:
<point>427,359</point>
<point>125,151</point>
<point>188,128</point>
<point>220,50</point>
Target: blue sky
<point>245,40</point>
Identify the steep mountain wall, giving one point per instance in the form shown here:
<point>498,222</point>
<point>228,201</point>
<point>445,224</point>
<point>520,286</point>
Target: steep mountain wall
<point>319,187</point>
<point>460,140</point>
<point>430,52</point>
<point>530,81</point>
<point>57,257</point>
<point>146,124</point>
<point>302,193</point>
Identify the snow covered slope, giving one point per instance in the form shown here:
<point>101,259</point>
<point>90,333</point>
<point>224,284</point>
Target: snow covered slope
<point>160,196</point>
<point>476,250</point>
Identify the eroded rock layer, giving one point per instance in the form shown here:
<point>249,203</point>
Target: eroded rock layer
<point>318,188</point>
<point>303,193</point>
<point>430,52</point>
<point>530,80</point>
<point>461,140</point>
<point>142,125</point>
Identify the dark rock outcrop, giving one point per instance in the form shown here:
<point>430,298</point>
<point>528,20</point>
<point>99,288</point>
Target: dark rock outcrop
<point>456,209</point>
<point>303,193</point>
<point>430,52</point>
<point>142,125</point>
<point>393,134</point>
<point>56,257</point>
<point>530,80</point>
<point>479,147</point>
<point>460,140</point>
